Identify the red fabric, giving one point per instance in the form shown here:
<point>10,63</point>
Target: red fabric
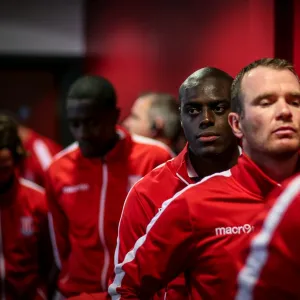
<point>84,296</point>
<point>197,231</point>
<point>86,197</point>
<point>142,204</point>
<point>277,229</point>
<point>25,242</point>
<point>40,153</point>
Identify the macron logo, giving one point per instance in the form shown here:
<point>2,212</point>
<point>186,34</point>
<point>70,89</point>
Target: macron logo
<point>75,188</point>
<point>234,230</point>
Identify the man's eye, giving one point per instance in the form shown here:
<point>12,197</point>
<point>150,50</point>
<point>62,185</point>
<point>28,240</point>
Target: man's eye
<point>265,103</point>
<point>74,124</point>
<point>193,111</point>
<point>219,109</point>
<point>296,102</point>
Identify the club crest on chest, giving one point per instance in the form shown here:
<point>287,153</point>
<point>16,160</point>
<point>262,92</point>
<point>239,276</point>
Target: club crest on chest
<point>27,228</point>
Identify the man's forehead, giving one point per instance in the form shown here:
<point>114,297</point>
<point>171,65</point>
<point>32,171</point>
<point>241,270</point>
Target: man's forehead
<point>209,88</point>
<point>81,102</point>
<point>143,102</point>
<point>145,99</point>
<point>84,108</point>
<point>262,77</point>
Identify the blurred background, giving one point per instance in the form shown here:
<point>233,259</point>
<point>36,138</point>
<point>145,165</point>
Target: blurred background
<point>137,45</point>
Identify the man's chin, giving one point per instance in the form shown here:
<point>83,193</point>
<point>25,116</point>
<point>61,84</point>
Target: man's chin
<point>88,152</point>
<point>209,151</point>
<point>284,152</point>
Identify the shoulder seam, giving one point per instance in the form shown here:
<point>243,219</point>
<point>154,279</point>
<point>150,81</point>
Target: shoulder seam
<point>69,149</point>
<point>31,185</point>
<point>148,141</point>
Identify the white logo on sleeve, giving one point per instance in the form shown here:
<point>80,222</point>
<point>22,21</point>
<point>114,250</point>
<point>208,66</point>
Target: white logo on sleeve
<point>244,229</point>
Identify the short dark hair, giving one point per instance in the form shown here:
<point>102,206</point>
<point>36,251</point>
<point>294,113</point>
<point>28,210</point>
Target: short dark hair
<point>166,106</point>
<point>236,90</point>
<point>195,79</point>
<point>10,139</point>
<point>95,88</point>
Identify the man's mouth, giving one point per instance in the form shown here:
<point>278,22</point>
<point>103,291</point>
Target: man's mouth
<point>207,137</point>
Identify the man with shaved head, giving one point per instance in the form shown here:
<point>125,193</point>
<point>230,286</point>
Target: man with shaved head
<point>212,147</point>
<point>200,230</point>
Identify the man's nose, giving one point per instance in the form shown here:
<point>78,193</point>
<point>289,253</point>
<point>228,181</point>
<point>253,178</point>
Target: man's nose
<point>283,110</point>
<point>207,119</point>
<point>83,132</point>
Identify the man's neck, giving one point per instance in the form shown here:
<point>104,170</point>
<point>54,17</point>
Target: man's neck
<point>206,166</point>
<point>278,168</point>
<point>110,145</point>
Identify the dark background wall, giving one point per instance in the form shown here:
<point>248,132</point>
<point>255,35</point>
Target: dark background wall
<point>42,47</point>
<point>138,46</point>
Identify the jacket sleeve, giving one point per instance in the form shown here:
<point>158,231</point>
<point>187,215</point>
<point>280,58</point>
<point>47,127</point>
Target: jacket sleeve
<point>136,215</point>
<point>271,269</point>
<point>155,261</point>
<point>85,296</point>
<point>58,223</point>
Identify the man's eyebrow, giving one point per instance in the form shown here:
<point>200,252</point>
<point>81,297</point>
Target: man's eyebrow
<point>192,102</point>
<point>263,96</point>
<point>294,94</point>
<point>211,101</point>
<point>271,95</point>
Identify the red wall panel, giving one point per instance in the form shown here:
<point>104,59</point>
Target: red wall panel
<point>35,91</point>
<point>297,35</point>
<point>141,46</point>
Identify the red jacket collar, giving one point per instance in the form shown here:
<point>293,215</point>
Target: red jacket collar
<point>252,178</point>
<point>123,146</point>
<point>179,166</point>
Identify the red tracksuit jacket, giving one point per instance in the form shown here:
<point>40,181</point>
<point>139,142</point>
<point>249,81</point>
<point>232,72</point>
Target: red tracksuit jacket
<point>272,268</point>
<point>85,198</point>
<point>40,153</point>
<point>142,204</point>
<point>196,232</point>
<point>25,247</point>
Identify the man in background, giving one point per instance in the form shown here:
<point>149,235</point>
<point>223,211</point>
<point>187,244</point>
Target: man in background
<point>88,182</point>
<point>39,151</point>
<point>155,115</point>
<point>26,256</point>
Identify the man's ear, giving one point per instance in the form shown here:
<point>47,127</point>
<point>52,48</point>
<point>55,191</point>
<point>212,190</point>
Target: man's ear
<point>234,121</point>
<point>157,127</point>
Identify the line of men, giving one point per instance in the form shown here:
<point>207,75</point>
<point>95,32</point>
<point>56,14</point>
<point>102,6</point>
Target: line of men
<point>186,227</point>
<point>86,185</point>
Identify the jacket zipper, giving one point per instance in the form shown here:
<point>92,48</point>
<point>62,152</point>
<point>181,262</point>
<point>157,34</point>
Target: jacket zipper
<point>2,263</point>
<point>101,227</point>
